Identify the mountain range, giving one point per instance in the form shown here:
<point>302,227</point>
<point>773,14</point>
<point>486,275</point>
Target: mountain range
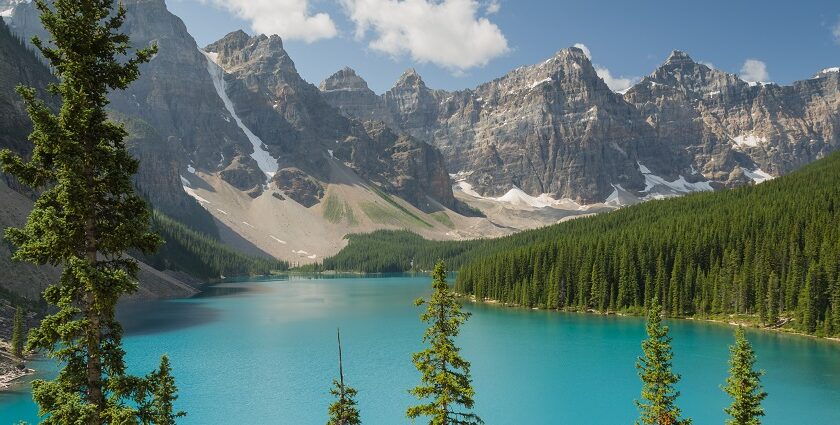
<point>236,144</point>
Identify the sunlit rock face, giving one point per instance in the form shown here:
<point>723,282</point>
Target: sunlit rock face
<point>555,128</point>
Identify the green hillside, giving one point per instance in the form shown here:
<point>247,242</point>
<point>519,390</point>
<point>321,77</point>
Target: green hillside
<point>770,250</point>
<point>202,256</point>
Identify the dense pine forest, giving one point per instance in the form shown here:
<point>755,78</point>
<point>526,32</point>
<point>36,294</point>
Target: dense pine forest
<point>771,251</point>
<point>190,251</point>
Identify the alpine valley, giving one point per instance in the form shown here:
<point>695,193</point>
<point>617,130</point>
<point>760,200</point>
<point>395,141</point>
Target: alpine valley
<point>239,152</point>
<point>193,233</point>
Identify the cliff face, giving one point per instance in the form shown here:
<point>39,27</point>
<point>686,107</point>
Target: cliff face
<point>553,128</point>
<point>556,128</point>
<point>299,128</point>
<point>17,66</point>
<point>239,108</point>
<point>730,128</point>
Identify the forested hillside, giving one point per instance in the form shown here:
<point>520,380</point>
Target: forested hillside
<point>771,250</point>
<point>199,255</point>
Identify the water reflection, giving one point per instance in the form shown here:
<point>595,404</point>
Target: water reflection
<point>151,317</point>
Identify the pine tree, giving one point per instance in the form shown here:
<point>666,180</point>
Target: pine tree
<point>743,384</point>
<point>773,298</point>
<point>87,215</point>
<point>806,303</point>
<point>343,411</point>
<point>446,382</point>
<point>835,301</point>
<point>17,334</point>
<point>659,396</point>
<point>157,407</point>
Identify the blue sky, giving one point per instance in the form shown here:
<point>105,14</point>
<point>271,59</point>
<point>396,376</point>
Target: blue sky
<point>457,44</point>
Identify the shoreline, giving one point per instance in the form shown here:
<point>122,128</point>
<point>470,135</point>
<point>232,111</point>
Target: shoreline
<point>11,378</point>
<point>732,321</point>
<point>10,368</point>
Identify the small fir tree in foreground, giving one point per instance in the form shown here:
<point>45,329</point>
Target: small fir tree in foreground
<point>17,334</point>
<point>158,406</point>
<point>744,384</point>
<point>658,404</point>
<point>343,411</point>
<point>446,392</point>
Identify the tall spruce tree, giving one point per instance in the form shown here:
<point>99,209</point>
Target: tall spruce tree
<point>743,384</point>
<point>343,411</point>
<point>17,333</point>
<point>87,216</point>
<point>658,404</point>
<point>446,382</point>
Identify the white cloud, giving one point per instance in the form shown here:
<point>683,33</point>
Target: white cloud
<point>448,33</point>
<point>836,31</point>
<point>754,71</point>
<point>585,49</point>
<point>616,84</point>
<point>708,64</point>
<point>493,7</point>
<point>290,19</point>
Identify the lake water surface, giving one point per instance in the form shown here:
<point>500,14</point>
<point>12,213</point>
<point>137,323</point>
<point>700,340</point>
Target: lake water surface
<point>264,352</point>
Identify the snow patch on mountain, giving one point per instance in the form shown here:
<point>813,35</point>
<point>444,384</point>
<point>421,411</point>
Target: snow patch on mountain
<point>758,175</point>
<point>680,185</point>
<point>517,197</point>
<point>825,72</point>
<point>265,161</point>
<point>749,140</point>
<point>192,193</point>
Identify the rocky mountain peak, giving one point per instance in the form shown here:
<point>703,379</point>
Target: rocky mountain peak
<point>236,39</point>
<point>572,52</point>
<point>410,78</point>
<point>679,58</point>
<point>681,73</point>
<point>262,52</point>
<point>344,79</point>
<point>828,72</point>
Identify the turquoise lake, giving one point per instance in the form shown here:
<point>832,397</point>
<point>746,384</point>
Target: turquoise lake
<point>264,352</point>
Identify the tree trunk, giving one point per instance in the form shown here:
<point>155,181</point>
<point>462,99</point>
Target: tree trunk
<point>94,332</point>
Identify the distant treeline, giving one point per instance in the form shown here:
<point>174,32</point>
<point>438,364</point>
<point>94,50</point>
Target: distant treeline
<point>202,256</point>
<point>770,250</point>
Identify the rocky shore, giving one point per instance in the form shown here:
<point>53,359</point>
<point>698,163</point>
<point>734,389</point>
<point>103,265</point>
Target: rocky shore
<point>11,368</point>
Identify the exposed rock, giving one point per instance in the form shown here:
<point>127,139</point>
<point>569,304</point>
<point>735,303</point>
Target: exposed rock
<point>243,174</point>
<point>299,186</point>
<point>551,128</point>
<point>350,93</point>
<point>410,169</point>
<point>300,128</point>
<point>556,128</point>
<point>729,128</point>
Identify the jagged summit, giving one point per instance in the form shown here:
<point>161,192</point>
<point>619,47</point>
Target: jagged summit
<point>678,57</point>
<point>572,51</point>
<point>239,39</point>
<point>233,40</point>
<point>344,79</point>
<point>828,72</point>
<point>410,78</point>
